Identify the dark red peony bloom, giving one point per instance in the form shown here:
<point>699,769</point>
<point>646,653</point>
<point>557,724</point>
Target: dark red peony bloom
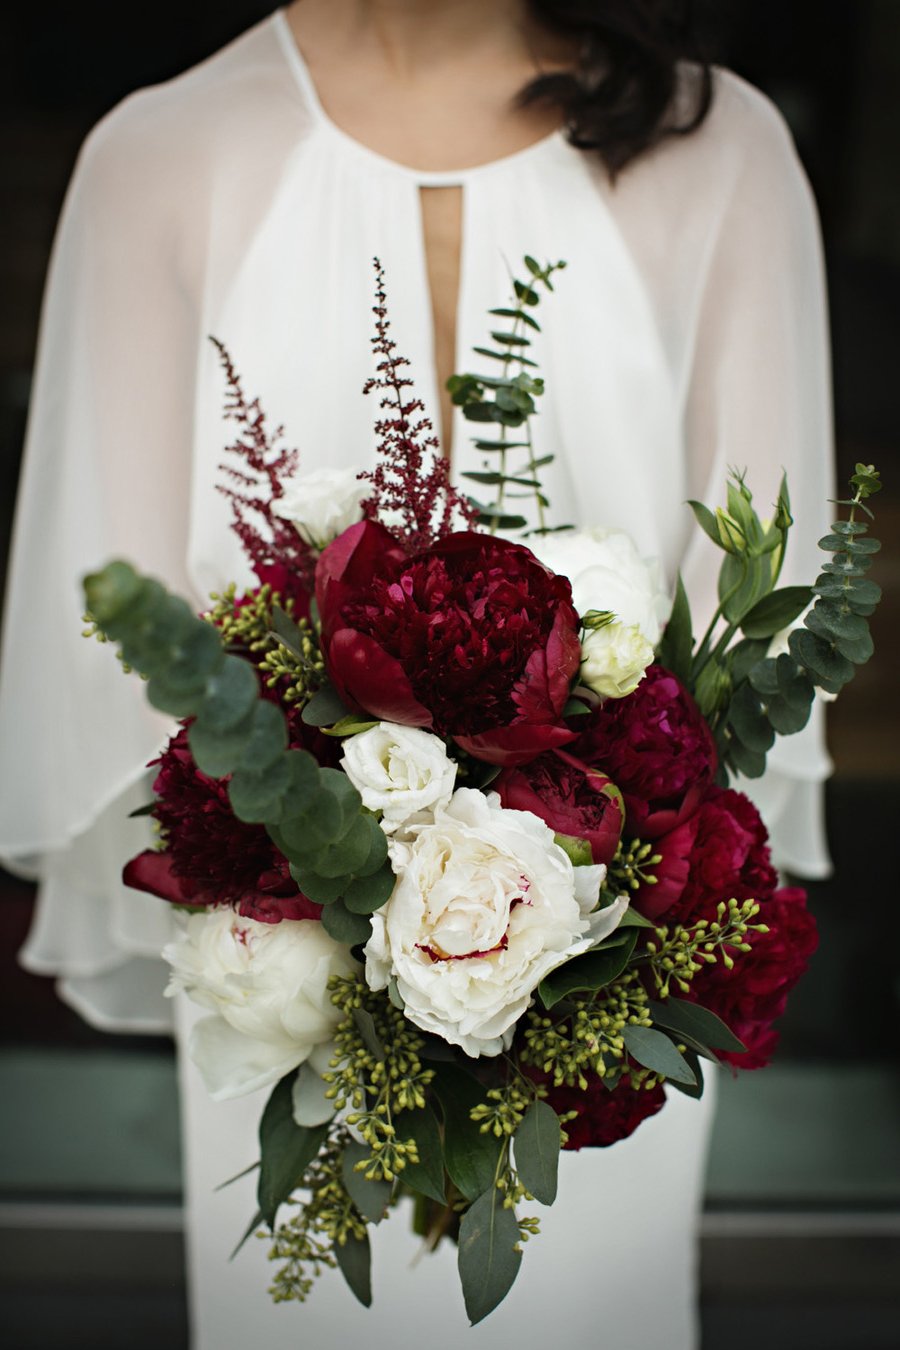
<point>211,857</point>
<point>604,1117</point>
<point>657,749</point>
<point>751,996</point>
<point>569,796</point>
<point>473,638</point>
<point>720,853</point>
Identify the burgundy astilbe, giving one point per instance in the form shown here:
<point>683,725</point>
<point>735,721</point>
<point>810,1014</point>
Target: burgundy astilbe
<point>411,483</point>
<point>276,551</point>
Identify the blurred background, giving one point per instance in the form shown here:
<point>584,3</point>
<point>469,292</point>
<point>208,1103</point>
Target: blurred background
<point>801,1232</point>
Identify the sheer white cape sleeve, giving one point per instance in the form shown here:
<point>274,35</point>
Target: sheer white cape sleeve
<point>739,291</point>
<point>106,473</point>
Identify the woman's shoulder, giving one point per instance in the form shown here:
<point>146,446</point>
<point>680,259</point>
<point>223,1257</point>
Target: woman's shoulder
<point>744,137</point>
<point>210,112</point>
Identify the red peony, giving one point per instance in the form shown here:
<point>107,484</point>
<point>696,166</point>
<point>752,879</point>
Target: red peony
<point>751,996</point>
<point>720,853</point>
<point>657,749</point>
<point>211,857</point>
<point>604,1117</point>
<point>472,638</point>
<point>569,796</point>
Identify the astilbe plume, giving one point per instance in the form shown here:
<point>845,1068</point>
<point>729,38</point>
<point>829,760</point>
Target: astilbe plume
<point>411,489</point>
<point>276,551</point>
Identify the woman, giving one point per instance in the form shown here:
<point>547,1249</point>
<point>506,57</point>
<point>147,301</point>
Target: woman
<point>246,199</point>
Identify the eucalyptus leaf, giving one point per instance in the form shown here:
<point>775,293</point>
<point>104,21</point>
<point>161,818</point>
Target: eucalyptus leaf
<point>591,971</point>
<point>257,797</point>
<point>469,1156</point>
<point>286,1149</point>
<point>633,918</point>
<point>365,895</point>
<point>324,708</point>
<point>352,929</point>
<point>251,1228</point>
<point>309,1105</point>
<point>488,1258</point>
<point>371,1198</point>
<point>694,1089</point>
<point>751,763</point>
<point>321,890</point>
<point>655,1051</point>
<point>828,667</point>
<point>365,1025</point>
<point>427,1175</point>
<point>229,696</point>
<point>287,631</point>
<point>748,720</point>
<point>679,1015</point>
<point>354,1258</point>
<point>536,1146</point>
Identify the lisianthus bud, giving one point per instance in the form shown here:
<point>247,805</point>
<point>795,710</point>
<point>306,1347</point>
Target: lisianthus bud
<point>731,536</point>
<point>614,658</point>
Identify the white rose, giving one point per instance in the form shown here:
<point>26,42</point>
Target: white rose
<point>266,983</point>
<point>614,659</point>
<point>399,771</point>
<point>322,504</point>
<point>484,907</point>
<point>608,573</point>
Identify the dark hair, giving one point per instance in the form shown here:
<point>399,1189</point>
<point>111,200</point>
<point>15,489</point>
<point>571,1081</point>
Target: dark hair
<point>626,92</point>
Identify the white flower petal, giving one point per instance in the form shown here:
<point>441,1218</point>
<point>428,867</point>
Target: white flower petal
<point>232,1064</point>
<point>483,907</point>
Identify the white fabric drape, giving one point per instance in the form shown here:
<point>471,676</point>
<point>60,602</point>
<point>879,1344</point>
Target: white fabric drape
<point>687,335</point>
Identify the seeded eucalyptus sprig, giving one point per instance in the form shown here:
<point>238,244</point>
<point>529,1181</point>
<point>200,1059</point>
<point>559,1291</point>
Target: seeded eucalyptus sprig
<point>336,849</point>
<point>747,696</point>
<point>507,401</point>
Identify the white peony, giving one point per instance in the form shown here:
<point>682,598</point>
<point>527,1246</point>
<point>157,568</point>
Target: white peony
<point>608,573</point>
<point>614,659</point>
<point>322,504</point>
<point>266,983</point>
<point>485,905</point>
<point>399,771</point>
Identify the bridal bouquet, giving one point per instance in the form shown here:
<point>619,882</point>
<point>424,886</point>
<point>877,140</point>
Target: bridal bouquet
<point>447,818</point>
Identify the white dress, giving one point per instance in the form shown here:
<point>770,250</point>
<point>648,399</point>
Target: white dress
<point>687,335</point>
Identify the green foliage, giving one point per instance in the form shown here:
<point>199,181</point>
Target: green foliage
<point>676,645</point>
<point>377,1072</point>
<point>777,693</point>
<point>591,971</point>
<point>471,1156</point>
<point>325,1231</point>
<point>286,1149</point>
<point>747,696</point>
<point>354,1260</point>
<point>656,1052</point>
<point>489,1254</point>
<point>675,955</point>
<point>536,1144</point>
<point>584,1035</point>
<point>426,1174</point>
<point>508,401</point>
<point>286,651</point>
<point>370,1196</point>
<point>702,1029</point>
<point>315,816</point>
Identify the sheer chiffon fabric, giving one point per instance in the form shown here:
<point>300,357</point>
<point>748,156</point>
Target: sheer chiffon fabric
<point>687,335</point>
